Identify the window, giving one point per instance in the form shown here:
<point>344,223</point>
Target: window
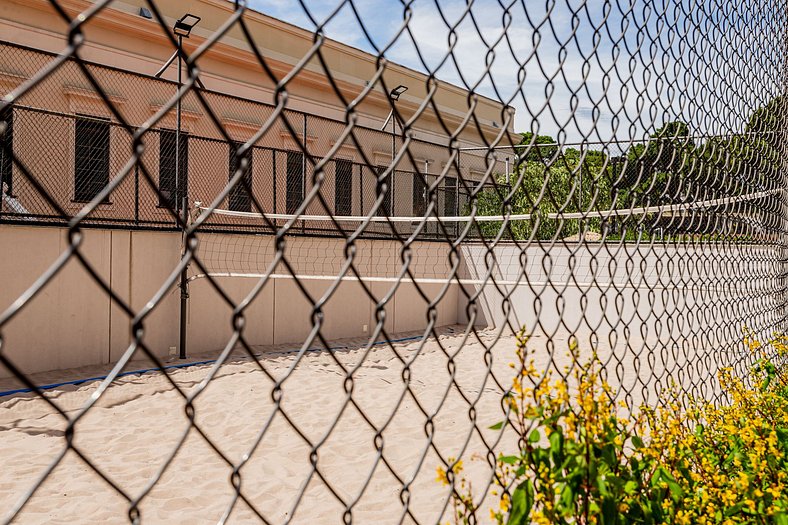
<point>295,181</point>
<point>419,195</point>
<point>91,158</point>
<point>239,198</point>
<point>167,194</point>
<point>385,206</point>
<point>6,146</point>
<point>450,200</point>
<point>343,191</point>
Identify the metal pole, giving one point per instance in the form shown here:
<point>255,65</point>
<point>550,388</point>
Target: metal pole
<point>273,162</point>
<point>184,273</point>
<point>177,198</point>
<point>507,171</point>
<point>303,174</point>
<point>137,193</point>
<point>390,185</point>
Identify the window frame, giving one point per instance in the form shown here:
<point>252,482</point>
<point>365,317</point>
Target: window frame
<point>86,191</point>
<point>183,167</point>
<point>450,190</point>
<point>419,196</point>
<point>343,201</point>
<point>385,208</point>
<point>239,199</point>
<point>294,181</point>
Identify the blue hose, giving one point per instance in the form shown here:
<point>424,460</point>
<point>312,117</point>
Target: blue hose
<point>183,365</point>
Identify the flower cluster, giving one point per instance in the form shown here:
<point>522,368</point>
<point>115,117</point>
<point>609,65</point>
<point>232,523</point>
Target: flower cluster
<point>685,461</point>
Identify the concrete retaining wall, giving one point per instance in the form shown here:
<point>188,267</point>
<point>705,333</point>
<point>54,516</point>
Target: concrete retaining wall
<point>658,294</point>
<point>73,322</point>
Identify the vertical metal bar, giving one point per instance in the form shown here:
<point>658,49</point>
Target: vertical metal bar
<point>390,188</point>
<point>273,158</point>
<point>184,278</point>
<point>361,188</point>
<point>459,174</point>
<point>178,196</point>
<point>303,173</point>
<point>507,171</point>
<point>137,193</point>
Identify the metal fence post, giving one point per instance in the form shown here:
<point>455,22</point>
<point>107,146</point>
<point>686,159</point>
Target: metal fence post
<point>137,193</point>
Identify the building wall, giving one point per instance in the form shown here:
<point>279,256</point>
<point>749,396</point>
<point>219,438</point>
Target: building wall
<point>72,322</point>
<point>121,38</point>
<point>44,141</point>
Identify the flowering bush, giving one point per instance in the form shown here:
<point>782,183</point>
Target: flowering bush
<point>685,462</point>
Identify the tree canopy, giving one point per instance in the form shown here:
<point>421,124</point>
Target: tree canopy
<point>671,166</point>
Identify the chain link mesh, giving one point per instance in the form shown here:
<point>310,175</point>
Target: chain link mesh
<point>642,214</point>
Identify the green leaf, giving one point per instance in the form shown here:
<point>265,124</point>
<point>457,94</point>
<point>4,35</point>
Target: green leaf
<point>609,511</point>
<point>522,501</point>
<point>780,518</point>
<point>534,436</point>
<point>730,511</point>
<point>630,487</point>
<point>557,446</point>
<point>662,475</point>
<point>509,460</point>
<point>497,426</point>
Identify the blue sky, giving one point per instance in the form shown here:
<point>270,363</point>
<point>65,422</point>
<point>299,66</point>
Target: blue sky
<point>566,66</point>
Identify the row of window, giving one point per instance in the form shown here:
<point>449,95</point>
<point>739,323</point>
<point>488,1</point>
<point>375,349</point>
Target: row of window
<point>91,172</point>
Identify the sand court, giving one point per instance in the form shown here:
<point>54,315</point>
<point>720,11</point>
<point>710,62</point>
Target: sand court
<point>354,432</point>
<point>300,449</point>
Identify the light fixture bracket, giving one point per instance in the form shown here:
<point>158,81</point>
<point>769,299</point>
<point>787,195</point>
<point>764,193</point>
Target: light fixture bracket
<point>184,25</point>
<point>397,91</point>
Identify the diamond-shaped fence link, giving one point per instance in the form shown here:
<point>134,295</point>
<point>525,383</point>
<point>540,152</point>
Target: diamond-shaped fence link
<point>270,302</point>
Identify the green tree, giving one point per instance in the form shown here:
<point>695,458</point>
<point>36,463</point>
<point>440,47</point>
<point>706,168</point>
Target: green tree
<point>546,181</point>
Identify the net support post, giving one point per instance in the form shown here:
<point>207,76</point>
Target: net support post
<point>184,286</point>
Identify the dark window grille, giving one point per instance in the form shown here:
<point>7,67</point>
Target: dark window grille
<point>239,198</point>
<point>167,194</point>
<point>6,147</point>
<point>385,206</point>
<point>343,191</point>
<point>91,158</point>
<point>419,195</point>
<point>295,181</point>
<point>450,197</point>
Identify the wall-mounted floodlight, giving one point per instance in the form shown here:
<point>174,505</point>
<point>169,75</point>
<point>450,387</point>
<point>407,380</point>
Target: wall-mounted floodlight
<point>183,26</point>
<point>397,91</point>
<point>145,13</point>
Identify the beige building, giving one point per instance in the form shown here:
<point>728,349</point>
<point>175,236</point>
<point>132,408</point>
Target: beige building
<point>86,143</point>
<point>73,141</point>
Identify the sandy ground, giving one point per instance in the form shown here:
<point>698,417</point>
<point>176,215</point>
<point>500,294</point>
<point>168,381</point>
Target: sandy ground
<point>306,452</point>
<point>137,423</point>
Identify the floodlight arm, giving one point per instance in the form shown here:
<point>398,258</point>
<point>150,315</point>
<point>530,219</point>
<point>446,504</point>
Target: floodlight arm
<point>169,62</point>
<point>386,123</point>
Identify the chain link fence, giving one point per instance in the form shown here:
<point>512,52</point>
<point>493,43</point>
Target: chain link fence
<point>353,295</point>
<point>91,147</point>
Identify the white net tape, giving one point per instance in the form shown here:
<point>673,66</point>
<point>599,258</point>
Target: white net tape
<point>665,210</point>
<point>324,259</point>
<point>368,218</point>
